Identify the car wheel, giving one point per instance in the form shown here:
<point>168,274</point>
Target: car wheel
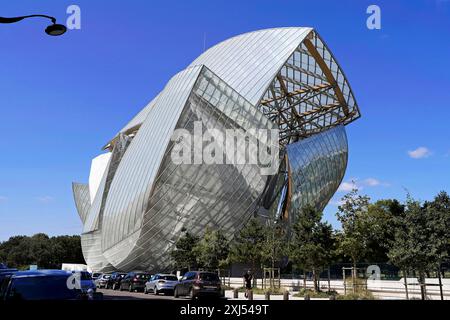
<point>145,290</point>
<point>120,288</point>
<point>175,293</point>
<point>130,288</point>
<point>114,286</point>
<point>191,294</point>
<point>155,290</point>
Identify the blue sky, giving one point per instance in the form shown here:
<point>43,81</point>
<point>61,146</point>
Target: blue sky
<point>62,98</point>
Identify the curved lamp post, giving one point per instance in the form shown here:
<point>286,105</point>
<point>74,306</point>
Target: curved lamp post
<point>54,29</point>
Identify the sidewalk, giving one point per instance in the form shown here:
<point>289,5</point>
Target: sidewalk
<point>229,295</point>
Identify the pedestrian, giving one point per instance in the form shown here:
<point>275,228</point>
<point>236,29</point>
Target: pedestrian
<point>248,277</point>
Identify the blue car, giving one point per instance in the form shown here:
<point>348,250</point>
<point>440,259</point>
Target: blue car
<point>45,285</point>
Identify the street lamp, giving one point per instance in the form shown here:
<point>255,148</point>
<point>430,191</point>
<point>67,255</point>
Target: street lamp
<point>54,29</point>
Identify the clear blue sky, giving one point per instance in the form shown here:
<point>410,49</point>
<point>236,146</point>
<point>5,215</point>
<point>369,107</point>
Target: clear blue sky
<point>62,98</point>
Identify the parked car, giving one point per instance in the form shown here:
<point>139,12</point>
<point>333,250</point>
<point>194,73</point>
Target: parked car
<point>43,285</point>
<point>96,275</point>
<point>134,281</point>
<point>114,281</point>
<point>5,275</point>
<point>199,283</point>
<point>86,281</point>
<point>4,272</point>
<point>161,283</point>
<point>102,280</point>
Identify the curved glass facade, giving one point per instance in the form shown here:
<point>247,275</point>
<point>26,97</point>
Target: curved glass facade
<point>282,80</point>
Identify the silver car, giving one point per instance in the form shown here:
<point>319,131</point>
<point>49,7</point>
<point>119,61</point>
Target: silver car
<point>102,280</point>
<point>161,283</point>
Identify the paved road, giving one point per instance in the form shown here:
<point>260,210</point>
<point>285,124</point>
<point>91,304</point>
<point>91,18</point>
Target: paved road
<point>109,294</point>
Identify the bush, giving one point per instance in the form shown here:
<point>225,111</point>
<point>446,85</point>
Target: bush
<point>274,291</point>
<point>312,294</point>
<point>362,295</point>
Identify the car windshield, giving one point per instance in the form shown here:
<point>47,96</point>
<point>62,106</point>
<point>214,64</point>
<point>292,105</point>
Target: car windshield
<point>169,278</point>
<point>209,277</point>
<point>41,288</point>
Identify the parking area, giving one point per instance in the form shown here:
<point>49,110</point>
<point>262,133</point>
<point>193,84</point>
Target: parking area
<point>109,294</point>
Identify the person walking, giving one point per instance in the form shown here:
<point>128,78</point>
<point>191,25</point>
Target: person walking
<point>248,277</point>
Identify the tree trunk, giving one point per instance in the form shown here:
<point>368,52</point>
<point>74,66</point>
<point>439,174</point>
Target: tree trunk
<point>440,283</point>
<point>406,284</point>
<point>329,280</point>
<point>304,280</point>
<point>423,290</point>
<point>354,276</point>
<point>316,285</point>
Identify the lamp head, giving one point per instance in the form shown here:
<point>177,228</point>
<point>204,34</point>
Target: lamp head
<point>55,29</point>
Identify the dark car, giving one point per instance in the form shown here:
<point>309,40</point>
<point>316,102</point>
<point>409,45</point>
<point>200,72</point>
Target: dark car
<point>199,283</point>
<point>5,272</point>
<point>134,281</point>
<point>114,281</point>
<point>43,285</point>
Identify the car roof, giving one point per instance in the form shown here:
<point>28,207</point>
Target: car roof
<point>8,270</point>
<point>37,273</point>
<point>165,274</point>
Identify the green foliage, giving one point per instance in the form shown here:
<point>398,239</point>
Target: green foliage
<point>353,239</point>
<point>312,244</point>
<point>212,250</point>
<point>313,294</point>
<point>40,249</point>
<point>422,237</point>
<point>382,220</point>
<point>247,246</point>
<point>183,255</point>
<point>274,247</point>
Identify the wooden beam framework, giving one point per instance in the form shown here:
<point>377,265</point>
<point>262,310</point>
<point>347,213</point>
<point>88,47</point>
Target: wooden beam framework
<point>305,97</point>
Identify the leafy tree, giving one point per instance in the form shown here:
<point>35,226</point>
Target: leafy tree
<point>46,252</point>
<point>312,245</point>
<point>381,219</point>
<point>439,216</point>
<point>274,247</point>
<point>212,250</point>
<point>353,239</point>
<point>248,245</point>
<point>183,255</point>
<point>417,243</point>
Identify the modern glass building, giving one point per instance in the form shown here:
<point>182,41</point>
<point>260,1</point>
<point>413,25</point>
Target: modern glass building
<point>138,200</point>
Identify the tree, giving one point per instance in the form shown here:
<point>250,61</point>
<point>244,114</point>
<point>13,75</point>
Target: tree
<point>439,216</point>
<point>248,245</point>
<point>312,245</point>
<point>183,255</point>
<point>274,247</point>
<point>382,220</point>
<point>212,250</point>
<point>416,244</point>
<point>46,252</point>
<point>353,239</point>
